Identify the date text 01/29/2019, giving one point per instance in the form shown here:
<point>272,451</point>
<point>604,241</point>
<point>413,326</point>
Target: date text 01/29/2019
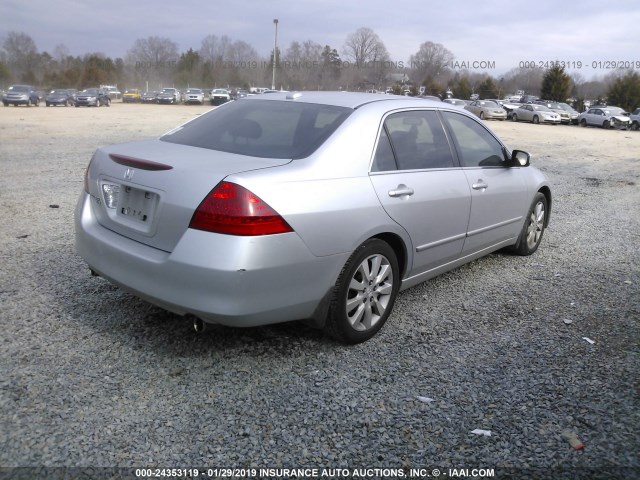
<point>579,64</point>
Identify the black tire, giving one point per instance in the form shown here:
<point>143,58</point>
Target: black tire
<point>606,124</point>
<point>534,226</point>
<point>28,103</point>
<point>108,102</point>
<point>357,315</point>
<point>514,117</point>
<point>583,123</point>
<point>536,120</point>
<point>481,115</point>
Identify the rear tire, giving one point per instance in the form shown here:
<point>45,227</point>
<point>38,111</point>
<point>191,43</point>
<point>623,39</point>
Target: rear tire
<point>536,120</point>
<point>514,117</point>
<point>365,293</point>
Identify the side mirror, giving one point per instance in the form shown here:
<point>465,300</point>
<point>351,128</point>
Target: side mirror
<point>520,158</point>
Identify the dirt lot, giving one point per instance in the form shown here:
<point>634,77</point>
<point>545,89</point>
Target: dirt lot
<point>92,376</point>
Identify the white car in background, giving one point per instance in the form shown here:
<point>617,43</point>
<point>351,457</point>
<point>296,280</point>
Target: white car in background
<point>219,96</point>
<point>605,117</point>
<point>535,113</point>
<point>194,95</point>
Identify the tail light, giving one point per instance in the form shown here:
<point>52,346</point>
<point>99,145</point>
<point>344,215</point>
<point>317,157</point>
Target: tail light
<point>233,210</point>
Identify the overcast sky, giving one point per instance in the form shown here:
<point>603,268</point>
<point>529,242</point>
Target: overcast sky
<point>505,32</point>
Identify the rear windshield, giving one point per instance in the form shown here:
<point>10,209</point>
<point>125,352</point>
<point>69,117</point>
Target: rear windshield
<point>262,128</point>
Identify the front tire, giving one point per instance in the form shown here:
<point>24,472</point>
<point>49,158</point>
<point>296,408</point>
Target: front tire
<point>536,120</point>
<point>514,117</point>
<point>481,115</point>
<point>583,123</point>
<point>606,124</point>
<point>364,293</point>
<point>534,226</point>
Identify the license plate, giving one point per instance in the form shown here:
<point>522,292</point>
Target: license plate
<point>138,205</point>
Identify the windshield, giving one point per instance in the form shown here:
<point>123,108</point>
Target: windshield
<point>19,88</point>
<point>541,108</point>
<point>490,104</point>
<point>262,128</point>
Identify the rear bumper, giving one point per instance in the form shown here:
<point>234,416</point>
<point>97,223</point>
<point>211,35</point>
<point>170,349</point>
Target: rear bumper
<point>230,280</point>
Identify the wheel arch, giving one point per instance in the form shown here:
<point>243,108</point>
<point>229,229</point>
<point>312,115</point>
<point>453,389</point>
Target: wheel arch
<point>398,246</point>
<point>546,191</point>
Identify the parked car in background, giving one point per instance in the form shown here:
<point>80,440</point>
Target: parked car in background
<point>131,96</point>
<point>573,113</point>
<point>565,117</point>
<point>635,119</point>
<point>605,117</point>
<point>169,95</point>
<point>219,96</point>
<point>194,95</point>
<point>528,99</point>
<point>457,102</point>
<point>60,96</point>
<point>112,91</point>
<point>21,95</point>
<point>535,113</point>
<point>487,110</point>
<point>227,218</point>
<point>92,97</point>
<point>240,94</point>
<point>149,97</point>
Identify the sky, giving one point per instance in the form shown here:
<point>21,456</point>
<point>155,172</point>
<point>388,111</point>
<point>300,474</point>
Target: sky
<point>590,36</point>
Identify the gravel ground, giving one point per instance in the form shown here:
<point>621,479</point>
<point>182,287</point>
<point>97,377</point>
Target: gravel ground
<point>91,376</point>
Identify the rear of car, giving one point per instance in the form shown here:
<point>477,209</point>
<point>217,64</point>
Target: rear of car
<point>180,220</point>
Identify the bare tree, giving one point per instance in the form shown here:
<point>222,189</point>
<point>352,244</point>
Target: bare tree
<point>370,57</point>
<point>430,61</point>
<point>154,52</point>
<point>154,59</point>
<point>302,64</point>
<point>214,49</point>
<point>364,46</point>
<point>21,53</point>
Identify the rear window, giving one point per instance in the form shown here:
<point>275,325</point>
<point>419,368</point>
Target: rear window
<point>262,128</point>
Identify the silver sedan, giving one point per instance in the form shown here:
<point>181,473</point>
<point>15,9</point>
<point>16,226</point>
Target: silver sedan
<point>534,113</point>
<point>487,109</point>
<point>305,206</point>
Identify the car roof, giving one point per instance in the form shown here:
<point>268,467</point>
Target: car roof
<point>344,99</point>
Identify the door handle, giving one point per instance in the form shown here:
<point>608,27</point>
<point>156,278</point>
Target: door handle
<point>400,191</point>
<point>479,185</point>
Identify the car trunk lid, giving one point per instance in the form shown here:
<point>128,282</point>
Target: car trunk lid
<point>148,191</point>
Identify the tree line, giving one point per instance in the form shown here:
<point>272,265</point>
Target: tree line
<point>362,63</point>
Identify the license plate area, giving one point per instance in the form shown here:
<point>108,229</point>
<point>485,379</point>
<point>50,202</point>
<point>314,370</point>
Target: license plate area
<point>137,205</point>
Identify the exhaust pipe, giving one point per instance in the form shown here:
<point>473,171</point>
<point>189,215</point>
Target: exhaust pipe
<point>199,325</point>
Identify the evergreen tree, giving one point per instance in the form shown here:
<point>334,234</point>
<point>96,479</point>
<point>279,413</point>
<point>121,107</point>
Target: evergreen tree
<point>556,85</point>
<point>625,92</point>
